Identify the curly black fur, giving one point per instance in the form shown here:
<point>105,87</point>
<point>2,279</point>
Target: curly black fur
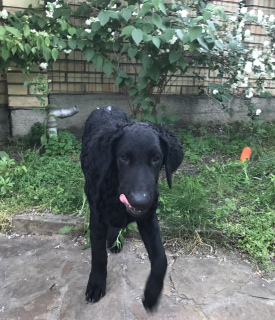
<point>120,157</point>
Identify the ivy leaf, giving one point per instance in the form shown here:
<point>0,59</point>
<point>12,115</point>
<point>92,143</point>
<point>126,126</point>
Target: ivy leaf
<point>103,17</point>
<point>195,32</point>
<point>26,30</point>
<point>47,53</point>
<point>157,20</point>
<point>72,43</point>
<point>14,31</point>
<point>5,54</point>
<point>28,49</point>
<point>206,15</point>
<point>127,31</point>
<point>107,68</point>
<point>55,54</point>
<point>132,52</point>
<point>142,83</point>
<point>97,61</point>
<point>41,22</point>
<point>81,44</point>
<point>72,31</point>
<point>137,36</point>
<point>174,56</point>
<point>126,14</point>
<point>156,41</point>
<point>89,54</point>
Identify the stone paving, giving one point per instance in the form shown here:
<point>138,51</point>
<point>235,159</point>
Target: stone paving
<point>45,277</point>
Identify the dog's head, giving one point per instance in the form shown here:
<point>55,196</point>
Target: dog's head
<point>140,150</point>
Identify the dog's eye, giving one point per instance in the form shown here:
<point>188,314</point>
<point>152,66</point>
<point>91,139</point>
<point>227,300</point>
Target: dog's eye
<point>155,159</point>
<point>124,158</point>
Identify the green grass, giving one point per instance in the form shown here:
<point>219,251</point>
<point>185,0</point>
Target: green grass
<point>212,190</point>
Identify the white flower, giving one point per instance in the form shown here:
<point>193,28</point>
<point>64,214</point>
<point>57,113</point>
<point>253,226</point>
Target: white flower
<point>149,56</point>
<point>134,14</point>
<point>167,50</point>
<point>88,22</point>
<point>4,14</point>
<point>248,67</point>
<point>88,30</point>
<point>49,14</point>
<point>183,13</point>
<point>67,51</point>
<point>159,32</point>
<point>109,30</point>
<point>271,18</point>
<point>234,86</point>
<point>252,12</point>
<point>266,43</point>
<point>186,47</point>
<point>113,33</point>
<point>260,15</point>
<point>43,65</point>
<point>69,37</point>
<point>173,40</point>
<point>247,33</point>
<point>258,112</point>
<point>33,31</point>
<point>215,91</point>
<point>243,10</point>
<point>233,19</point>
<point>249,93</point>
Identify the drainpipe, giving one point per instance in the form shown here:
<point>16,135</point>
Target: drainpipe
<point>61,113</point>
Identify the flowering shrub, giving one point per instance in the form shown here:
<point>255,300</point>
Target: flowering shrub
<point>161,39</point>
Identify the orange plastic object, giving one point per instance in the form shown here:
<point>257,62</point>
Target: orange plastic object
<point>245,154</point>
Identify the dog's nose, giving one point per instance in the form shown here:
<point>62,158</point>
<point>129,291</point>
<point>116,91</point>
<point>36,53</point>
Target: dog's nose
<point>140,201</point>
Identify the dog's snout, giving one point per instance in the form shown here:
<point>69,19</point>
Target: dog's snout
<point>140,200</point>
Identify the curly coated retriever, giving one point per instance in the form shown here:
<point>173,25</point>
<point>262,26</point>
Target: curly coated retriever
<point>121,161</point>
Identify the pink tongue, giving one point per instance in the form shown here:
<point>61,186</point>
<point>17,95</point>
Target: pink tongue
<point>124,200</point>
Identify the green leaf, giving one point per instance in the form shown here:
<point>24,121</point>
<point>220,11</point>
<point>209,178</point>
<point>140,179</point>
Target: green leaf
<point>132,52</point>
<point>5,54</point>
<point>107,68</point>
<point>132,91</point>
<point>81,44</point>
<point>55,54</point>
<point>154,72</point>
<point>47,53</point>
<point>41,22</point>
<point>72,43</point>
<point>157,20</point>
<point>26,30</point>
<point>64,25</point>
<point>89,54</point>
<point>28,48</point>
<point>142,83</point>
<point>156,3</point>
<point>127,31</point>
<point>146,8</point>
<point>47,41</point>
<point>2,30</point>
<point>182,64</point>
<point>206,15</point>
<point>137,36</point>
<point>97,61</point>
<point>14,49</point>
<point>174,56</point>
<point>126,14</point>
<point>72,31</point>
<point>14,31</point>
<point>65,229</point>
<point>202,43</point>
<point>195,32</point>
<point>156,41</point>
<point>103,17</point>
<point>162,8</point>
<point>149,117</point>
<point>96,26</point>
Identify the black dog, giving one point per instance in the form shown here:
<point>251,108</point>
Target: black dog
<point>121,161</point>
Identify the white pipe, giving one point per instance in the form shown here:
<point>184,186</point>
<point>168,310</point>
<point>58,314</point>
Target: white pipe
<point>61,113</point>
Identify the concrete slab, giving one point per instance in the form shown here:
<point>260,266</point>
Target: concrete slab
<point>45,277</point>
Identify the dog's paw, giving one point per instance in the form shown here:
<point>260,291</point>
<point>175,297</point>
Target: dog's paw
<point>150,300</point>
<point>95,290</point>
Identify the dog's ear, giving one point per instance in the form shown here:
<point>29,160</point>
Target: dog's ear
<point>172,151</point>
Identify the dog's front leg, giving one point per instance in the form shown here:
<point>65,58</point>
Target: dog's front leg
<point>96,287</point>
<point>150,233</point>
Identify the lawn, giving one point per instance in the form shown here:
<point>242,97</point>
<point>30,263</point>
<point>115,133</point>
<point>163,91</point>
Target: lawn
<point>213,191</point>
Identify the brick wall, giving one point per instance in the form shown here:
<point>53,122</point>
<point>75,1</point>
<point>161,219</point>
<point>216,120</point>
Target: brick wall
<point>73,74</point>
